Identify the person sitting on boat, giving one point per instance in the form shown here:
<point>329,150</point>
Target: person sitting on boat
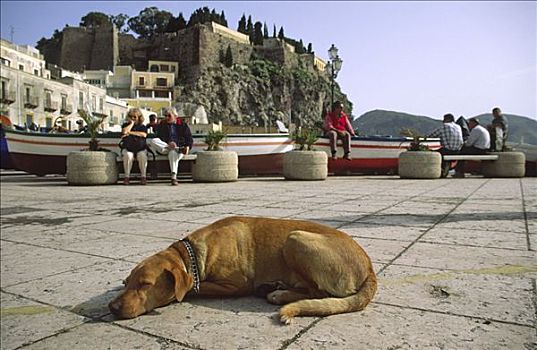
<point>498,130</point>
<point>337,126</point>
<point>133,142</point>
<point>478,142</point>
<point>173,139</point>
<point>451,140</point>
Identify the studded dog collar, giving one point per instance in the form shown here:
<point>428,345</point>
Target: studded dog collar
<point>193,264</point>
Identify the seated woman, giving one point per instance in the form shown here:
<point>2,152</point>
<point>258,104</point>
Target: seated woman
<point>133,142</point>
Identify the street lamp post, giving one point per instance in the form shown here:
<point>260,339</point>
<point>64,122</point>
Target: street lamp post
<point>333,67</point>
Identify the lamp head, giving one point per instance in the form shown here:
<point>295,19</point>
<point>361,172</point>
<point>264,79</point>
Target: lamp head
<point>332,52</point>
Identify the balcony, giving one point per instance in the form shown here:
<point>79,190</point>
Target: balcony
<point>7,97</point>
<point>162,87</point>
<point>31,102</point>
<point>66,109</point>
<point>50,106</point>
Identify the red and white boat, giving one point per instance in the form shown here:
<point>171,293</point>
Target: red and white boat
<point>259,154</point>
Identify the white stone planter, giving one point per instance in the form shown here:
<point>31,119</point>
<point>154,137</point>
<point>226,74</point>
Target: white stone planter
<point>305,165</point>
<point>91,168</point>
<point>420,165</point>
<point>216,166</point>
<point>509,164</point>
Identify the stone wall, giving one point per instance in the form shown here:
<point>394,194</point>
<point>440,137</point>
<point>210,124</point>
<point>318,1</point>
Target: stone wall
<point>87,48</point>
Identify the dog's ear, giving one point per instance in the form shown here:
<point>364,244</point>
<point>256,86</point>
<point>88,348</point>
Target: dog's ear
<point>183,282</point>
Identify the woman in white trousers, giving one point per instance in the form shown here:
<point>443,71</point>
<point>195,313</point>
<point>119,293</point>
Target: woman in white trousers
<point>134,133</point>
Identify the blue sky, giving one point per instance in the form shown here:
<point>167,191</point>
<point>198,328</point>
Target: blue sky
<point>425,58</point>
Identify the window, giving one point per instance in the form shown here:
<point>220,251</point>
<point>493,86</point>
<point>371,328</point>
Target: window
<point>101,104</point>
<point>4,89</point>
<point>21,67</point>
<point>80,100</point>
<point>161,94</point>
<point>141,81</point>
<point>29,119</point>
<point>36,72</point>
<point>164,68</point>
<point>153,68</point>
<point>93,103</point>
<point>173,68</point>
<point>48,98</point>
<point>5,61</point>
<point>162,82</point>
<point>28,94</point>
<point>145,93</point>
<point>64,102</point>
<point>48,122</point>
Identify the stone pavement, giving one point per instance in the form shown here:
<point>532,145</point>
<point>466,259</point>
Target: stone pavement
<point>456,261</point>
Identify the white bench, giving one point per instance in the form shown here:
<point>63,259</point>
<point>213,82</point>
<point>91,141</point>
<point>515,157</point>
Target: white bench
<point>119,158</point>
<point>471,157</point>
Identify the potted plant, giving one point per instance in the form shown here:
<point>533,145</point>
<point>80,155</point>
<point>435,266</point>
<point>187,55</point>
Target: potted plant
<point>214,164</point>
<point>419,162</point>
<point>304,163</point>
<point>94,165</point>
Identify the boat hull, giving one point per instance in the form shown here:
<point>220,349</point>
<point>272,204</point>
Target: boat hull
<point>259,154</point>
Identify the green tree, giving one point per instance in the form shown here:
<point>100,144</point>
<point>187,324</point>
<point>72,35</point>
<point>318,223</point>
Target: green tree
<point>310,48</point>
<point>228,60</point>
<point>258,34</point>
<point>265,30</point>
<point>299,48</point>
<point>274,31</point>
<point>176,24</point>
<point>250,28</point>
<point>281,35</point>
<point>242,24</point>
<point>223,18</point>
<point>150,21</point>
<point>120,21</point>
<point>94,19</point>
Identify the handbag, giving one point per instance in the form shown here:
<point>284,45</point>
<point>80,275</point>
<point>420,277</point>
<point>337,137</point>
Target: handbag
<point>133,143</point>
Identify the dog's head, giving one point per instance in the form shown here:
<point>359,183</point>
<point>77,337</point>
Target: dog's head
<point>155,282</point>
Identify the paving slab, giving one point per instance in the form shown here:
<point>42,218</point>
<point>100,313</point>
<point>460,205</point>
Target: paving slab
<point>390,327</point>
<point>495,294</point>
<point>25,321</point>
<point>456,262</point>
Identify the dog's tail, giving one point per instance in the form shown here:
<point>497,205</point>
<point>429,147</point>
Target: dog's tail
<point>331,306</point>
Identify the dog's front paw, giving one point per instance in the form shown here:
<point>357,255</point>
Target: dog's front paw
<point>286,320</point>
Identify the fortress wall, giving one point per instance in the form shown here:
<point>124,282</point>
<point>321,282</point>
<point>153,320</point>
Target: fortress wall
<point>105,51</point>
<point>76,48</point>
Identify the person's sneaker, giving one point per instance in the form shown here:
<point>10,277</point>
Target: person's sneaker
<point>175,182</point>
<point>126,181</point>
<point>143,180</point>
<point>347,156</point>
<point>458,175</point>
<point>334,157</point>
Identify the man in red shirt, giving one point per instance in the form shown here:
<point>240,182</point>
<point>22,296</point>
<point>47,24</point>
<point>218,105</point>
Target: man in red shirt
<point>338,126</point>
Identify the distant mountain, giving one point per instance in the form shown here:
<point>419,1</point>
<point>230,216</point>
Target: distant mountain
<point>381,122</point>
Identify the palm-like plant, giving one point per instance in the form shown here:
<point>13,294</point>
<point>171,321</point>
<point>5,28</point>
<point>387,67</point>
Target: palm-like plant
<point>417,139</point>
<point>213,140</point>
<point>305,138</point>
<point>93,123</point>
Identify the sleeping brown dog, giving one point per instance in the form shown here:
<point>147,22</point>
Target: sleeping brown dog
<point>309,268</point>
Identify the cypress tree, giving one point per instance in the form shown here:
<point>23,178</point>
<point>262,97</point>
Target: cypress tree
<point>242,25</point>
<point>258,34</point>
<point>310,48</point>
<point>274,31</point>
<point>281,35</point>
<point>250,28</point>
